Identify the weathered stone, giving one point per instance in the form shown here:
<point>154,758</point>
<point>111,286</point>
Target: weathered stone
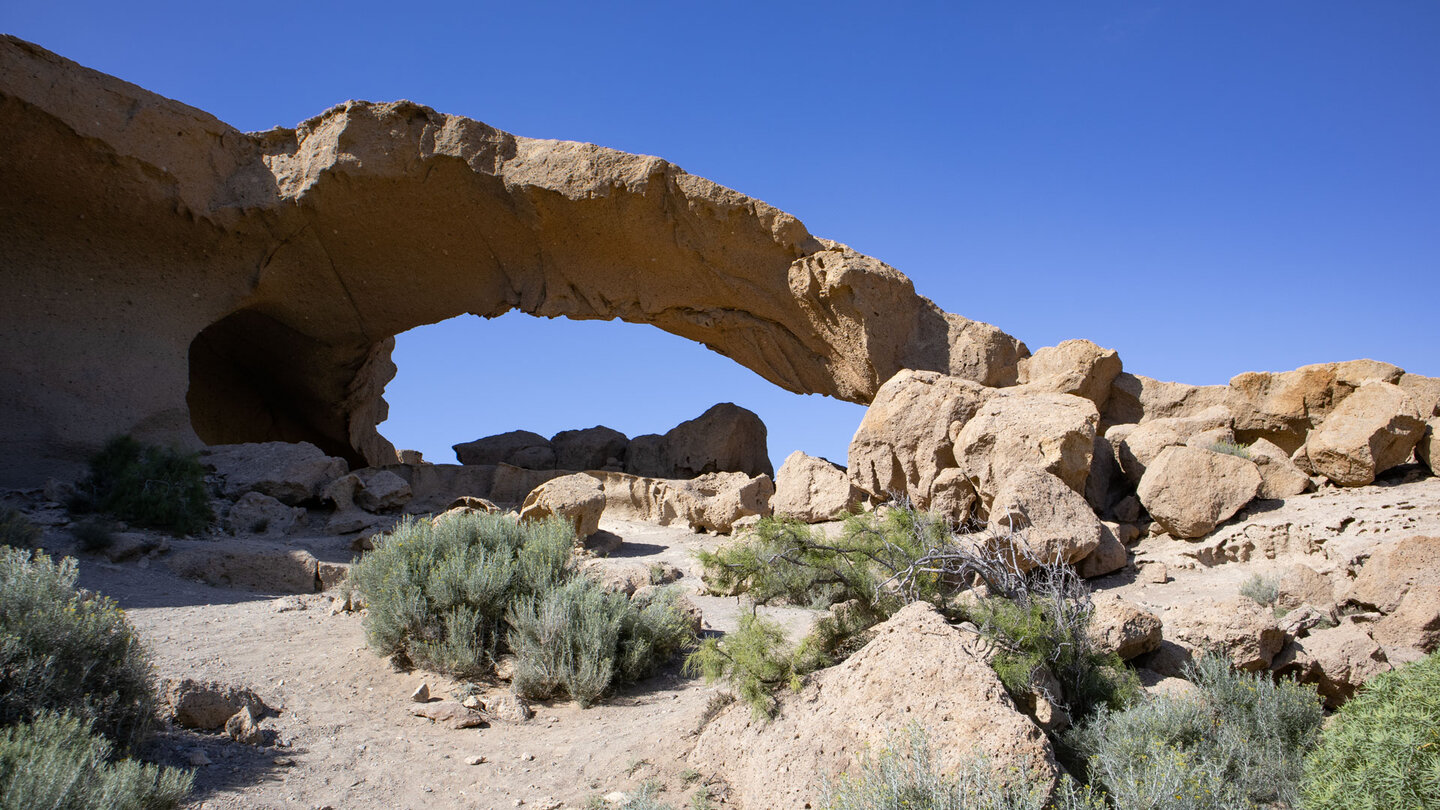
<point>917,666</point>
<point>589,449</point>
<point>645,457</point>
<point>1143,444</point>
<point>207,705</point>
<point>1423,391</point>
<point>289,472</point>
<point>255,566</point>
<point>1374,429</point>
<point>254,513</point>
<point>578,498</point>
<point>244,728</point>
<point>1283,407</point>
<point>905,439</point>
<point>520,448</point>
<point>1108,557</point>
<point>1076,367</point>
<point>381,490</point>
<point>714,502</point>
<point>1042,520</point>
<point>1009,432</point>
<point>129,545</point>
<point>1428,448</point>
<point>507,707</point>
<point>1103,485</point>
<point>1279,476</point>
<point>1243,631</point>
<point>1137,399</point>
<point>1302,585</point>
<point>1189,492</point>
<point>450,714</point>
<point>331,574</point>
<point>952,495</point>
<point>726,438</point>
<point>1415,622</point>
<point>1122,627</point>
<point>813,489</point>
<point>1337,661</point>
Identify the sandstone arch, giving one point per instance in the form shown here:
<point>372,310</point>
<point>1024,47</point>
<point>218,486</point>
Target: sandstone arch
<point>178,278</point>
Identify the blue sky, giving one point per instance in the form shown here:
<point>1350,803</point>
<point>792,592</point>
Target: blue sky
<point>1208,188</point>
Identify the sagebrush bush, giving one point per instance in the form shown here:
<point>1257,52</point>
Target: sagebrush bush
<point>1231,449</point>
<point>1383,748</point>
<point>1238,741</point>
<point>93,535</point>
<point>452,594</point>
<point>147,486</point>
<point>16,530</point>
<point>1261,590</point>
<point>903,776</point>
<point>61,652</point>
<point>56,762</point>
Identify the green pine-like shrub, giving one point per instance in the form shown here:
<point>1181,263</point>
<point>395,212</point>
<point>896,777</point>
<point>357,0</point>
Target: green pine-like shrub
<point>16,530</point>
<point>62,652</point>
<point>147,486</point>
<point>1238,741</point>
<point>56,762</point>
<point>1383,748</point>
<point>453,594</point>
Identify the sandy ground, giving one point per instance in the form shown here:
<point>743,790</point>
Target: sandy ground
<point>344,737</point>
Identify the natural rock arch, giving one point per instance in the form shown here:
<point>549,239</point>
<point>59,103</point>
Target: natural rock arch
<point>182,279</point>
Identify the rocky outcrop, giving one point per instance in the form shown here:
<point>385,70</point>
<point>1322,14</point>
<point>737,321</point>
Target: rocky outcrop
<point>1279,477</point>
<point>595,448</point>
<point>288,472</point>
<point>520,448</point>
<point>1042,520</point>
<point>1337,660</point>
<point>813,489</point>
<point>1189,491</point>
<point>254,513</point>
<point>284,262</point>
<point>1282,407</point>
<point>1374,429</point>
<point>1076,367</point>
<point>712,502</point>
<point>917,669</point>
<point>1137,447</point>
<point>1136,399</point>
<point>1019,430</point>
<point>1237,628</point>
<point>726,438</point>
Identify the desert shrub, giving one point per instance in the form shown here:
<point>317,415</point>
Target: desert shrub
<point>56,762</point>
<point>1237,742</point>
<point>1231,449</point>
<point>93,535</point>
<point>62,652</point>
<point>146,485</point>
<point>903,776</point>
<point>1383,748</point>
<point>1260,590</point>
<point>16,530</point>
<point>452,594</point>
<point>755,661</point>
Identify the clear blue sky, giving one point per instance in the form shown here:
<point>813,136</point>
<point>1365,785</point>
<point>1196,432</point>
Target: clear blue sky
<point>1208,188</point>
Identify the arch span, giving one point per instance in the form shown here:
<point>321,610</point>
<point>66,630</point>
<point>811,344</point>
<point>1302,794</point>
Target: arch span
<point>273,269</point>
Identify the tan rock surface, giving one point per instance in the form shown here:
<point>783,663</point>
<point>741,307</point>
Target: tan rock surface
<point>578,498</point>
<point>1428,448</point>
<point>1337,660</point>
<point>726,438</point>
<point>712,502</point>
<point>1138,399</point>
<point>1190,491</point>
<point>1284,406</point>
<point>813,489</point>
<point>302,252</point>
<point>243,564</point>
<point>1124,628</point>
<point>1018,430</point>
<point>917,669</point>
<point>1279,476</point>
<point>1374,429</point>
<point>1393,570</point>
<point>1076,367</point>
<point>288,472</point>
<point>1053,521</point>
<point>1423,391</point>
<point>1139,446</point>
<point>1108,556</point>
<point>1245,632</point>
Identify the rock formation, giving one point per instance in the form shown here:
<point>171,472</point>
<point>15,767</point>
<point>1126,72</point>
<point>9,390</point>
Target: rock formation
<point>175,278</point>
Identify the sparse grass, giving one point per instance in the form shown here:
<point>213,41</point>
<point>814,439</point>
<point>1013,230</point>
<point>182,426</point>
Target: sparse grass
<point>147,486</point>
<point>56,762</point>
<point>1231,449</point>
<point>1382,749</point>
<point>1261,590</point>
<point>16,530</point>
<point>59,652</point>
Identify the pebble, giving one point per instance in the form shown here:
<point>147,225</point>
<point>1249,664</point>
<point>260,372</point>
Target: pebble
<point>422,694</point>
<point>527,757</point>
<point>283,762</point>
<point>474,760</point>
<point>198,758</point>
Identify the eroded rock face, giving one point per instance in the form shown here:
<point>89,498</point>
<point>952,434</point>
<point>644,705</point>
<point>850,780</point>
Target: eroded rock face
<point>288,472</point>
<point>1076,367</point>
<point>1374,429</point>
<point>917,669</point>
<point>1053,521</point>
<point>1137,399</point>
<point>1284,406</point>
<point>284,263</point>
<point>726,438</point>
<point>1021,430</point>
<point>522,448</point>
<point>577,498</point>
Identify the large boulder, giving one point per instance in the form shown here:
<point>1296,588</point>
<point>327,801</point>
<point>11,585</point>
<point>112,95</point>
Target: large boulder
<point>381,490</point>
<point>206,705</point>
<point>1401,580</point>
<point>905,439</point>
<point>578,498</point>
<point>1243,631</point>
<point>1120,626</point>
<point>726,438</point>
<point>1108,556</point>
<point>916,669</point>
<point>1374,429</point>
<point>813,489</point>
<point>1423,391</point>
<point>1279,476</point>
<point>520,448</point>
<point>1042,520</point>
<point>1428,448</point>
<point>288,472</point>
<point>1190,491</point>
<point>1137,399</point>
<point>254,513</point>
<point>1137,447</point>
<point>1337,660</point>
<point>595,448</point>
<point>1284,406</point>
<point>1014,431</point>
<point>1076,367</point>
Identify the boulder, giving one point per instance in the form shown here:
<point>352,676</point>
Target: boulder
<point>578,498</point>
<point>905,439</point>
<point>715,501</point>
<point>254,513</point>
<point>289,472</point>
<point>1393,570</point>
<point>813,489</point>
<point>1302,585</point>
<point>1013,431</point>
<point>381,490</point>
<point>726,438</point>
<point>916,669</point>
<point>1103,486</point>
<point>434,486</point>
<point>253,566</point>
<point>1138,447</point>
<point>1076,367</point>
<point>1124,628</point>
<point>595,448</point>
<point>1337,660</point>
<point>1415,622</point>
<point>1283,407</point>
<point>1428,448</point>
<point>1042,520</point>
<point>207,705</point>
<point>1279,476</point>
<point>520,448</point>
<point>1374,429</point>
<point>1137,399</point>
<point>1108,557</point>
<point>1423,391</point>
<point>1189,492</point>
<point>1238,628</point>
<point>645,456</point>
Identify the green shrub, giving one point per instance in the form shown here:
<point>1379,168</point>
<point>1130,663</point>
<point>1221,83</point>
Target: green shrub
<point>56,762</point>
<point>904,776</point>
<point>1261,590</point>
<point>147,486</point>
<point>755,660</point>
<point>63,653</point>
<point>1383,748</point>
<point>16,530</point>
<point>93,535</point>
<point>1231,449</point>
<point>1237,742</point>
<point>453,594</point>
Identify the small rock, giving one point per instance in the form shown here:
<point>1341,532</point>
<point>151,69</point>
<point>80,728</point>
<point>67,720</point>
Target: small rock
<point>284,762</point>
<point>244,728</point>
<point>289,603</point>
<point>475,760</point>
<point>451,714</point>
<point>1155,573</point>
<point>422,694</point>
<point>198,758</point>
<point>527,757</point>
